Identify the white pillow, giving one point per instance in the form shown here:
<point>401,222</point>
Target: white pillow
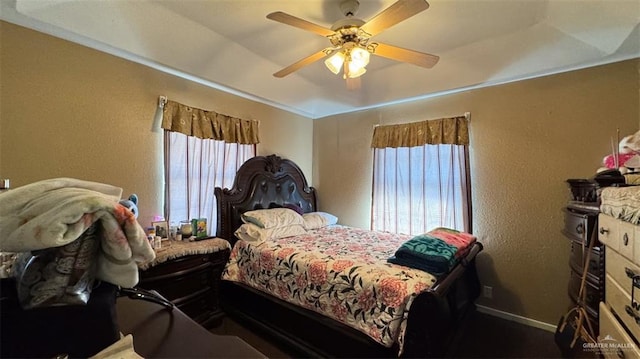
<point>315,220</point>
<point>254,234</point>
<point>271,218</point>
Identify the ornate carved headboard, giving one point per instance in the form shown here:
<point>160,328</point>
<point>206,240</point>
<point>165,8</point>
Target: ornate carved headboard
<point>260,183</point>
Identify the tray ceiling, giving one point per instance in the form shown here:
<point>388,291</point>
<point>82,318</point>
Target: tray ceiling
<point>232,46</point>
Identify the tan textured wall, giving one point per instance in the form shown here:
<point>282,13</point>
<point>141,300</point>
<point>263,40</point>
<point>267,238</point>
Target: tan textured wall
<point>70,111</point>
<point>527,138</point>
<point>66,110</point>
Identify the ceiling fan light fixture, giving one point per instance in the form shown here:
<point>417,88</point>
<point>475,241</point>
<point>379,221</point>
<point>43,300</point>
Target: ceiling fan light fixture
<point>359,56</point>
<point>350,47</point>
<point>335,62</point>
<point>355,70</point>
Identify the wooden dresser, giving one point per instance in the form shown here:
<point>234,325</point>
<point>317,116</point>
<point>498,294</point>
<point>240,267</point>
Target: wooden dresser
<point>188,274</point>
<point>619,313</point>
<point>580,227</point>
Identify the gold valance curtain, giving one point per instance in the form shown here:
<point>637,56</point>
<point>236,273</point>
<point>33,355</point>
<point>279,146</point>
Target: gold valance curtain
<point>453,131</point>
<point>199,123</point>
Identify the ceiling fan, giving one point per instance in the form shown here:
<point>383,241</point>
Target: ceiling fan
<point>350,39</point>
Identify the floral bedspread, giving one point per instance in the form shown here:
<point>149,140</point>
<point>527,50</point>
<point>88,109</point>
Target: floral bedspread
<point>341,272</point>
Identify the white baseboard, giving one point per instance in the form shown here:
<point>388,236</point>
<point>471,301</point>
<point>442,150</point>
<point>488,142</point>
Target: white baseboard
<point>516,318</point>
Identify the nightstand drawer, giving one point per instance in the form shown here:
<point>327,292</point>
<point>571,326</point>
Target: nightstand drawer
<point>176,267</point>
<point>204,303</point>
<point>183,286</point>
<point>190,281</point>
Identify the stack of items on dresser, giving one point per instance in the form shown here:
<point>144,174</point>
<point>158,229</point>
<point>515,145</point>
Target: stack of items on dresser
<point>622,166</point>
<point>599,221</point>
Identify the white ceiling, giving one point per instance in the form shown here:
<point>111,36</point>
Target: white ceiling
<point>231,45</point>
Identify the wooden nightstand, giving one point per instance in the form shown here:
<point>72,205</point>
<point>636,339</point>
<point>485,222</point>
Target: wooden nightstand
<point>188,274</point>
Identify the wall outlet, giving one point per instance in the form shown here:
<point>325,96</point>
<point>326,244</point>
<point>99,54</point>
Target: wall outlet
<point>487,291</point>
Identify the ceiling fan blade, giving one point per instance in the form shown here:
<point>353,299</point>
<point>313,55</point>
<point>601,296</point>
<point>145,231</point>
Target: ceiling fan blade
<point>287,19</point>
<point>302,63</point>
<point>399,11</point>
<point>405,55</point>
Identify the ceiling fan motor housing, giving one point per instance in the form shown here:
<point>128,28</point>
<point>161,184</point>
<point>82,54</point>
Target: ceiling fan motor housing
<point>347,30</point>
<point>349,7</point>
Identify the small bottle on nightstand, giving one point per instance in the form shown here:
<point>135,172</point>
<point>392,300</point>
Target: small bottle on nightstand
<point>4,185</point>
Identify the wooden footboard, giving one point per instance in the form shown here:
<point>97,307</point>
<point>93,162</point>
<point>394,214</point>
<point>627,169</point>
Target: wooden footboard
<point>434,319</point>
<point>436,315</point>
<point>304,333</point>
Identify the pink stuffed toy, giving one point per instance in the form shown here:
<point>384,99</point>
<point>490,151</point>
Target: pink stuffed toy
<point>628,148</point>
<point>609,161</point>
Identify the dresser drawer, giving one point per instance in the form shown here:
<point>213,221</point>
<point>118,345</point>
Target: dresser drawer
<point>614,340</point>
<point>579,226</point>
<point>593,295</point>
<point>626,239</point>
<point>620,236</point>
<point>596,261</point>
<point>620,301</point>
<point>608,231</point>
<point>621,270</point>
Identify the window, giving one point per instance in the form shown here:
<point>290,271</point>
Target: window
<point>193,168</point>
<point>421,177</point>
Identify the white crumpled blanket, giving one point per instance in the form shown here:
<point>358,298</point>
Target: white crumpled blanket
<point>55,212</point>
<point>622,203</point>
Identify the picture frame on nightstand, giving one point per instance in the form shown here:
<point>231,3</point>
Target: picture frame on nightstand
<point>199,227</point>
<point>162,229</point>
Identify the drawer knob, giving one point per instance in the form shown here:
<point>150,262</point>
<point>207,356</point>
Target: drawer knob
<point>632,314</point>
<point>603,230</point>
<point>580,228</point>
<point>625,239</point>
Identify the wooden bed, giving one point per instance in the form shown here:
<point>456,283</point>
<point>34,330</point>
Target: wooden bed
<point>265,181</point>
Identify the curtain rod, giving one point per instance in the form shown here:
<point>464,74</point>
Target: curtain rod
<point>162,100</point>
